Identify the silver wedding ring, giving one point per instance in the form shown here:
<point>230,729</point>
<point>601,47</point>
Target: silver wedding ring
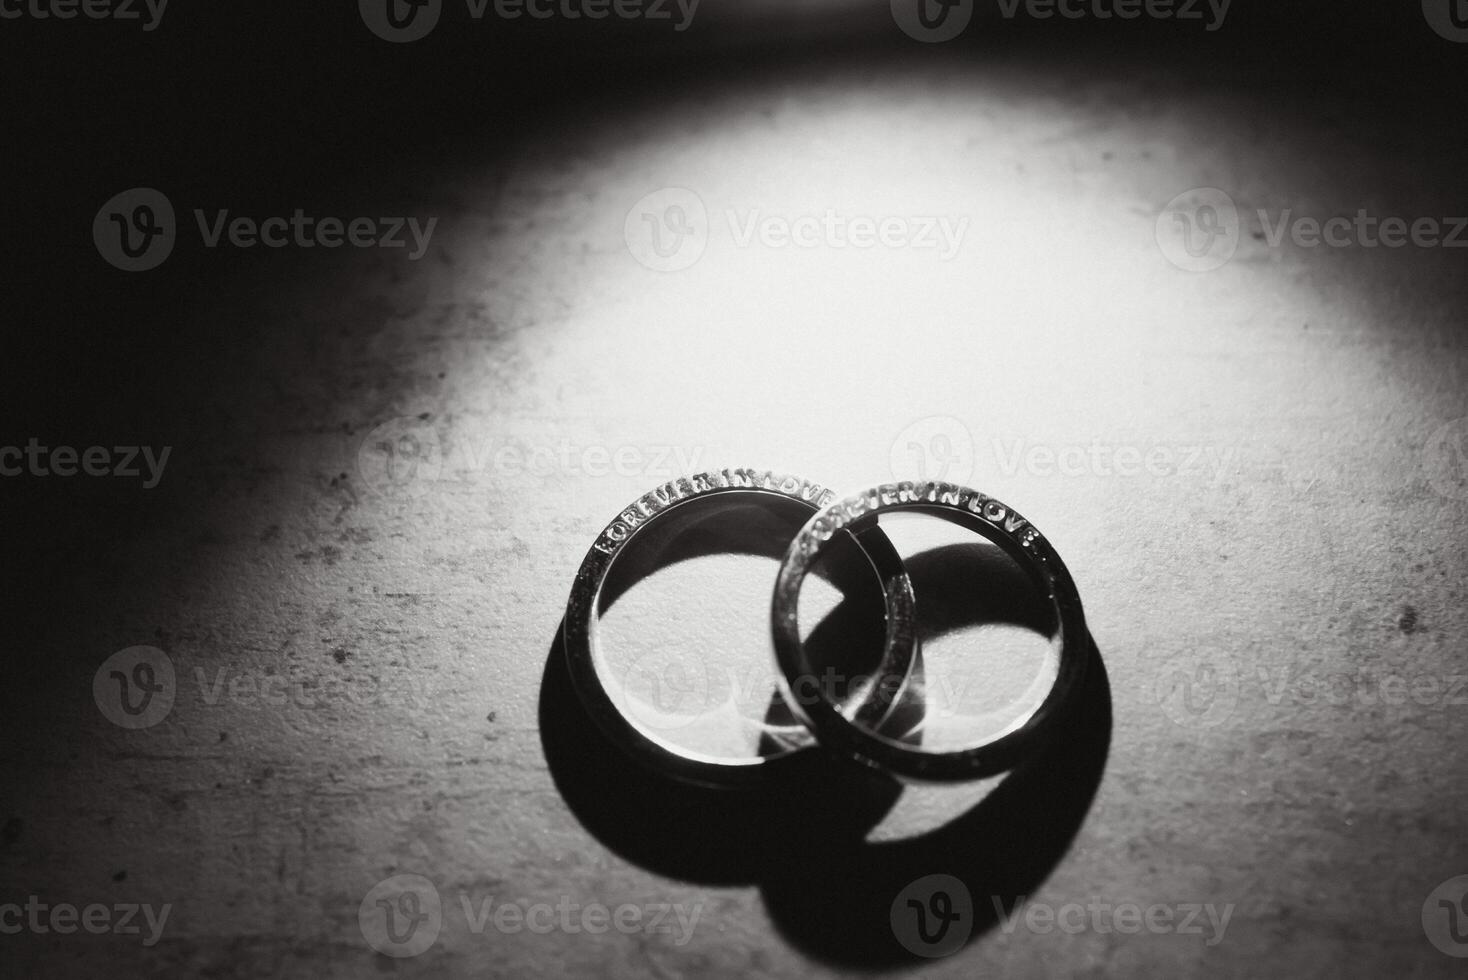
<point>1000,524</point>
<point>869,704</point>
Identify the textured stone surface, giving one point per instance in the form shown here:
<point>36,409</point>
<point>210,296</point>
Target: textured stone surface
<point>417,614</point>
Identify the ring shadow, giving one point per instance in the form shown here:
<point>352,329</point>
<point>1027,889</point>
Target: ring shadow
<point>802,838</point>
<point>836,904</point>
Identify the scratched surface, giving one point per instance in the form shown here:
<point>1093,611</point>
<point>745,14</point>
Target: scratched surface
<point>1302,529</point>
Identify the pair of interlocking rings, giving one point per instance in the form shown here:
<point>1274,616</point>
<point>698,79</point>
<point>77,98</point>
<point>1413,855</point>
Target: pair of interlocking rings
<point>853,729</point>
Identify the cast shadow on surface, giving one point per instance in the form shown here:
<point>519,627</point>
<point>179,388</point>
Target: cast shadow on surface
<point>803,839</point>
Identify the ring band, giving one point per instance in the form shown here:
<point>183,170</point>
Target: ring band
<point>968,508</point>
<point>872,702</point>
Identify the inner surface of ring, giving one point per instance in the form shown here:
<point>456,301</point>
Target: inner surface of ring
<point>989,637</point>
<point>707,683</point>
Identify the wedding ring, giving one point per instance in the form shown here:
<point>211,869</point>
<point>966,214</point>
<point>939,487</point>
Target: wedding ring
<point>968,508</point>
<point>867,704</point>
